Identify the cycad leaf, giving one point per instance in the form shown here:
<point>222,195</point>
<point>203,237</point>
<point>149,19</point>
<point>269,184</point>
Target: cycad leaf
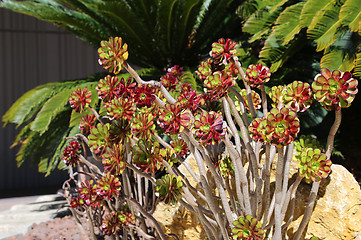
<point>28,104</point>
<point>310,9</point>
<point>357,64</point>
<point>189,78</point>
<point>286,26</point>
<point>338,59</point>
<point>350,13</point>
<point>264,17</point>
<point>52,107</point>
<point>326,27</point>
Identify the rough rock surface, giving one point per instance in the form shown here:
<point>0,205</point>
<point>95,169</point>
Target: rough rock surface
<point>337,213</point>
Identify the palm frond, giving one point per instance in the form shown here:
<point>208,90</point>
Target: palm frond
<point>310,8</point>
<point>350,13</point>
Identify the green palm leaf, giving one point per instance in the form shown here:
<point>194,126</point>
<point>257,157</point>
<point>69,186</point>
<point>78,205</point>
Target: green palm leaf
<point>310,8</point>
<point>357,63</point>
<point>350,13</point>
<point>326,27</point>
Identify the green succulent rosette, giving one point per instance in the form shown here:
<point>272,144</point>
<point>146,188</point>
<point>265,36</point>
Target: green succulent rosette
<point>248,228</point>
<point>305,142</point>
<point>314,165</point>
<point>169,189</point>
<point>298,96</point>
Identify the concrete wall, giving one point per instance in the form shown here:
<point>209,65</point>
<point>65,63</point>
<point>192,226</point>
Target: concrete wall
<point>33,53</point>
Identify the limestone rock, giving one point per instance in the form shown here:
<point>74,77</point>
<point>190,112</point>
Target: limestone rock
<point>337,212</point>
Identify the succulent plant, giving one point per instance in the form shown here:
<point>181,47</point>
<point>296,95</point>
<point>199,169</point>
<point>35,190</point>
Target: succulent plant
<point>99,138</point>
<point>191,100</point>
<point>226,167</point>
<point>276,95</point>
<point>80,99</point>
<point>119,131</point>
<point>205,69</point>
<point>314,165</point>
<point>305,142</point>
<point>334,90</point>
<point>248,228</point>
<point>112,54</point>
<point>86,124</point>
<point>127,88</point>
<point>71,153</point>
<point>171,79</point>
<point>169,189</point>
<point>180,146</point>
<point>88,192</point>
<point>114,159</point>
<point>143,125</point>
<point>257,75</point>
<point>144,95</point>
<point>108,88</point>
<point>173,119</point>
<point>209,128</point>
<point>223,50</point>
<point>256,129</point>
<point>121,108</point>
<point>115,221</point>
<point>297,96</point>
<point>146,155</point>
<point>108,186</point>
<point>217,84</point>
<point>76,201</point>
<point>281,126</point>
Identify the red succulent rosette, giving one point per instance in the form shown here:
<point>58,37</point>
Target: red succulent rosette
<point>144,95</point>
<point>173,118</point>
<point>112,54</point>
<point>217,84</point>
<point>108,186</point>
<point>80,99</point>
<point>71,153</point>
<point>209,128</point>
<point>334,90</point>
<point>86,124</point>
<point>171,80</point>
<point>281,126</point>
<point>298,96</point>
<point>256,129</point>
<point>205,69</point>
<point>180,147</point>
<point>108,88</point>
<point>121,108</point>
<point>143,125</point>
<point>88,192</point>
<point>223,50</point>
<point>115,221</point>
<point>314,165</point>
<point>113,159</point>
<point>257,75</point>
<point>191,100</point>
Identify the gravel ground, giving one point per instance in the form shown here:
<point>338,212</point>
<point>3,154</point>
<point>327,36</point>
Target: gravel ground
<point>56,229</point>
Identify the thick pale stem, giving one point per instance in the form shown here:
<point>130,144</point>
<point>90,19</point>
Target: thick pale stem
<point>241,103</point>
<point>278,195</point>
<point>316,185</point>
<point>137,78</point>
<point>264,100</point>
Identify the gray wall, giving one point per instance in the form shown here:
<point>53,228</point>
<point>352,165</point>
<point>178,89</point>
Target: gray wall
<point>33,53</point>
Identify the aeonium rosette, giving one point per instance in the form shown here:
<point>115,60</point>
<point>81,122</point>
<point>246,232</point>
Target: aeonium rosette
<point>173,118</point>
<point>114,159</point>
<point>223,50</point>
<point>298,96</point>
<point>108,186</point>
<point>169,188</point>
<point>121,108</point>
<point>209,128</point>
<point>248,228</point>
<point>256,99</point>
<point>112,54</point>
<point>171,79</point>
<point>279,127</point>
<point>80,99</point>
<point>108,88</point>
<point>256,75</point>
<point>71,153</point>
<point>314,165</point>
<point>147,155</point>
<point>86,124</point>
<point>276,95</point>
<point>217,84</point>
<point>334,90</point>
